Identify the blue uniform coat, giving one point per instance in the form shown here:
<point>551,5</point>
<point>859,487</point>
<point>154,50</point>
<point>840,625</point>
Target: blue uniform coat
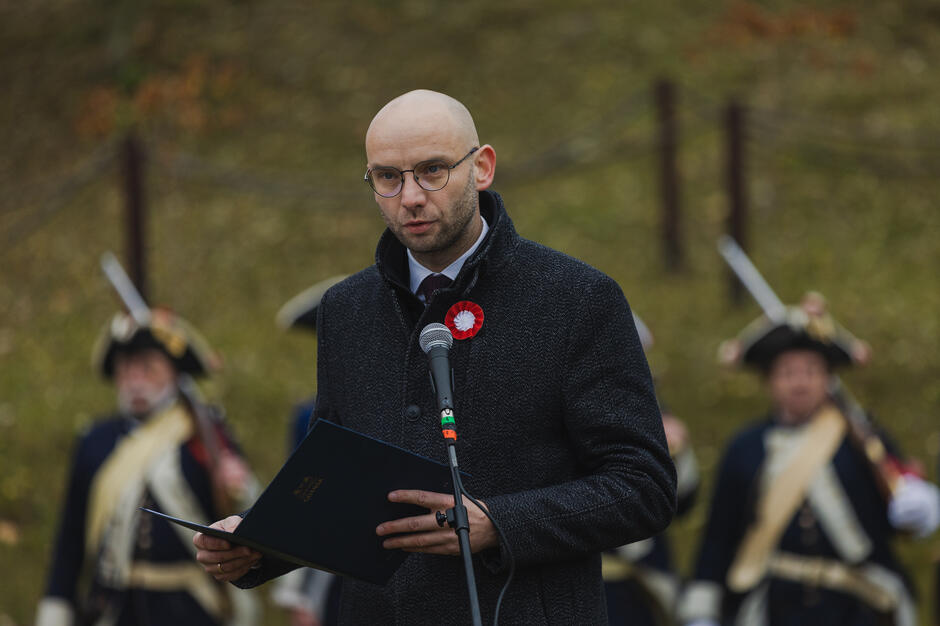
<point>732,511</point>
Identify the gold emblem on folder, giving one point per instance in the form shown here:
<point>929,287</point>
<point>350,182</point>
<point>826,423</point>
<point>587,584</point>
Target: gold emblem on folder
<point>308,485</point>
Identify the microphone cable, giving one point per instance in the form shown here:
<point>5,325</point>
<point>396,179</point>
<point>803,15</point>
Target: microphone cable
<point>503,541</point>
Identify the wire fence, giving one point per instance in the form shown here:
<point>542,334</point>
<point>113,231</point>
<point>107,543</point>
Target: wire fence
<point>57,194</point>
<point>625,132</point>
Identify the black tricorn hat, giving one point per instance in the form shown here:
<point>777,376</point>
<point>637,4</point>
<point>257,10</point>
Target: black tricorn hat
<point>163,330</point>
<point>301,310</point>
<point>805,327</point>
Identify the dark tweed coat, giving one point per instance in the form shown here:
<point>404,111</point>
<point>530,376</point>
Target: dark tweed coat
<point>557,420</point>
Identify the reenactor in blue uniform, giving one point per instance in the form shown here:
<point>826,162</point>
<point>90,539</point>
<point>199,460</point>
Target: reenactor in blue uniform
<point>310,596</point>
<point>114,564</point>
<point>807,500</point>
<point>640,579</point>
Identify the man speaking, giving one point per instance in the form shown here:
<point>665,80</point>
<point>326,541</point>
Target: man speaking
<point>560,432</point>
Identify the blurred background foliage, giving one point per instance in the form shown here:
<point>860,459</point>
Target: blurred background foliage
<point>253,113</point>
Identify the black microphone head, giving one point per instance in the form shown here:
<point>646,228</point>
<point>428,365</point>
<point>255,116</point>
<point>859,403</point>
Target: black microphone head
<point>435,335</point>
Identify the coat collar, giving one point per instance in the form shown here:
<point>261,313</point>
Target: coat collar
<point>392,261</point>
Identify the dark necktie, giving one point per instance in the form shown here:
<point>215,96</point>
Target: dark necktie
<point>432,283</point>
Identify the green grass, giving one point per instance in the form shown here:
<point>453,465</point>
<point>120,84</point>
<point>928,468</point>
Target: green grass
<point>274,98</point>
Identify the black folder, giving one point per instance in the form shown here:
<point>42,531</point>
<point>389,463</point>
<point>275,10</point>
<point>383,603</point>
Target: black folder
<point>322,508</point>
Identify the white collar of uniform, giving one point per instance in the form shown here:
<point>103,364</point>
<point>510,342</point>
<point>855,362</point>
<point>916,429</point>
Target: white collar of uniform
<point>419,272</point>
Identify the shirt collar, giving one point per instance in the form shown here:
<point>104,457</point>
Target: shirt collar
<point>419,272</point>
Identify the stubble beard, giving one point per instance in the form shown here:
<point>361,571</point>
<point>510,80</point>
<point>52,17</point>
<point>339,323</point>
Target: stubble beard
<point>800,412</point>
<point>141,401</point>
<point>464,210</point>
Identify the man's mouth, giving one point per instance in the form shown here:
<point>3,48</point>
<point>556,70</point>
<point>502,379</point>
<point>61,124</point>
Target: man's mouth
<point>416,227</point>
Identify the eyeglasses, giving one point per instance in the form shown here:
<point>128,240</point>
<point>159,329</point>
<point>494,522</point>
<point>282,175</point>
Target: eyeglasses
<point>430,175</point>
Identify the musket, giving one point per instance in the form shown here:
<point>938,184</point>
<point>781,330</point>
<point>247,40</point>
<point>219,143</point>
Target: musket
<point>189,393</point>
<point>886,468</point>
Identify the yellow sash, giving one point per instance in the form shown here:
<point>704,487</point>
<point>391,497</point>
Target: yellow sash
<point>125,468</point>
<point>779,502</point>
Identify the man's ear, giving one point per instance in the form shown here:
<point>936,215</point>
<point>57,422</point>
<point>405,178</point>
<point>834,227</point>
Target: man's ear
<point>484,167</point>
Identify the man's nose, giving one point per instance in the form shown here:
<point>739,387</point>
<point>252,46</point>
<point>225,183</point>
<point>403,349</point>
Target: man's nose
<point>412,195</point>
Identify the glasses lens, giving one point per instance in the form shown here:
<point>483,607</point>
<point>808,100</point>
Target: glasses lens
<point>386,181</point>
<point>432,175</point>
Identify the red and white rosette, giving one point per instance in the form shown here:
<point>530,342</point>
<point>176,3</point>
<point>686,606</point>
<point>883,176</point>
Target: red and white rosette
<point>464,319</point>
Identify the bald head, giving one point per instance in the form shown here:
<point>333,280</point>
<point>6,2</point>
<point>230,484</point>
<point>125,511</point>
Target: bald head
<point>428,129</point>
<point>425,116</point>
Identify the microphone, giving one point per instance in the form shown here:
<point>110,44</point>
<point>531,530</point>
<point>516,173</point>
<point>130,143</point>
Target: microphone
<point>436,341</point>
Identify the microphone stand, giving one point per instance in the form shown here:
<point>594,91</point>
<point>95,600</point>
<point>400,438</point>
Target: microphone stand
<point>436,341</point>
<point>457,517</point>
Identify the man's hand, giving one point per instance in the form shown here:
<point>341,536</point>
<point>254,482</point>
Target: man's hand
<point>915,506</point>
<point>220,558</point>
<point>233,473</point>
<point>303,617</point>
<point>677,436</point>
<point>421,532</point>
